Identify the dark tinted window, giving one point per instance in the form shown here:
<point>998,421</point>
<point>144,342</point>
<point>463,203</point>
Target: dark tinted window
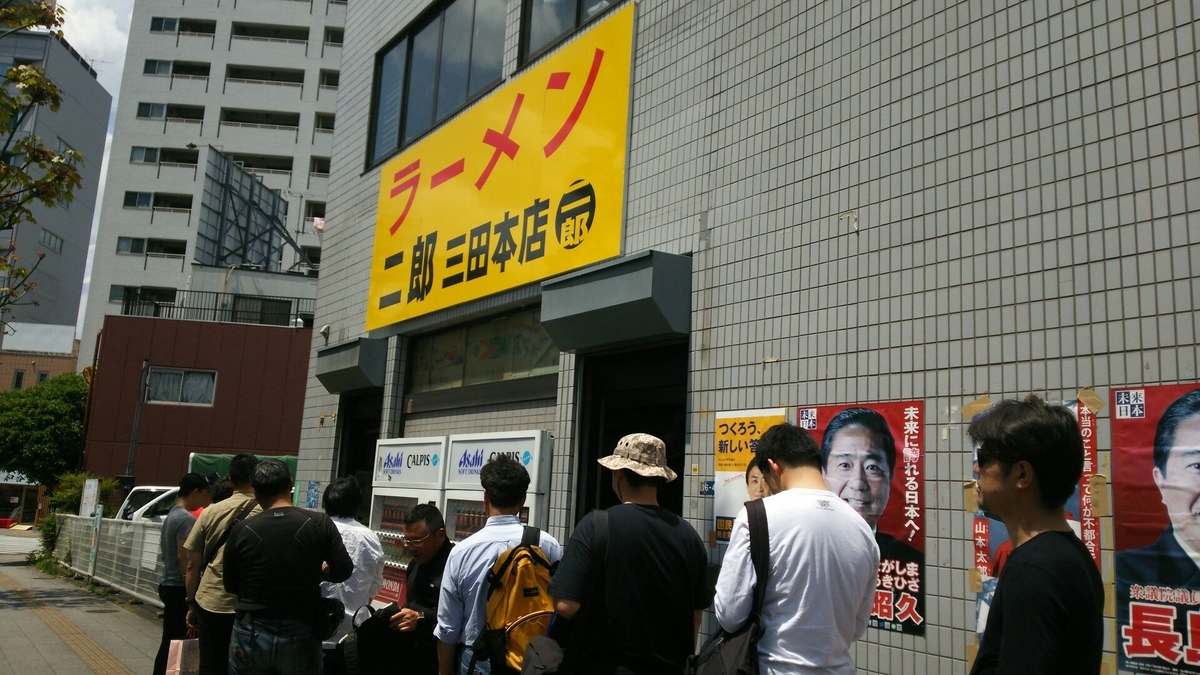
<point>455,61</point>
<point>546,22</point>
<point>389,95</point>
<point>421,80</point>
<point>436,68</point>
<point>487,43</point>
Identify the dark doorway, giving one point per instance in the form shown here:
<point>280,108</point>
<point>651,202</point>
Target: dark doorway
<point>624,393</point>
<point>360,414</point>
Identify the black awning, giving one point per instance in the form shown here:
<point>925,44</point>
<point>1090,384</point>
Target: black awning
<point>357,364</point>
<point>641,297</point>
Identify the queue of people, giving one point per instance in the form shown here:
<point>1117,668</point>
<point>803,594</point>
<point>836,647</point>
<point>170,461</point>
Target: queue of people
<point>632,581</point>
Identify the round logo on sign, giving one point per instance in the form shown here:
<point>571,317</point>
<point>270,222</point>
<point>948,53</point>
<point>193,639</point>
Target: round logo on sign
<point>576,212</point>
<point>434,460</point>
<point>527,458</point>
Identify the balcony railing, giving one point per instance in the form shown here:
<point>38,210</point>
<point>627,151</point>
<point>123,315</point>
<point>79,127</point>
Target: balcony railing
<point>222,307</point>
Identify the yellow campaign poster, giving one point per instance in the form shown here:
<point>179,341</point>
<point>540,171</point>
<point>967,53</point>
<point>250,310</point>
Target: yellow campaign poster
<point>527,184</point>
<point>737,435</point>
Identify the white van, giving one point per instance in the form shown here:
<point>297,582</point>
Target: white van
<point>148,502</point>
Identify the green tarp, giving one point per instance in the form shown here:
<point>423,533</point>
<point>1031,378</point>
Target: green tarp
<point>206,464</point>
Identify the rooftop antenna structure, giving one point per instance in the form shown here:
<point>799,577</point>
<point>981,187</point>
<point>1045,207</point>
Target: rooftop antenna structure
<point>243,223</point>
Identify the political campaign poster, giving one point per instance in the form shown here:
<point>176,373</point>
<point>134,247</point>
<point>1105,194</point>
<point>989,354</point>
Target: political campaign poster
<point>1156,523</point>
<point>736,443</point>
<point>873,458</point>
<point>992,545</point>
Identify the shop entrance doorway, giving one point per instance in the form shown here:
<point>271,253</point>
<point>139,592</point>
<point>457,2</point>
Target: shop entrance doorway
<point>360,414</point>
<point>624,393</point>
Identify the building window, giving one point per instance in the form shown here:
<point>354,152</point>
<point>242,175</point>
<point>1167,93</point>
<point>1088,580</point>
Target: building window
<point>18,379</point>
<point>434,70</point>
<point>160,24</point>
<point>152,111</point>
<point>138,200</point>
<point>51,241</point>
<point>544,23</point>
<point>133,245</point>
<point>171,385</point>
<point>116,293</point>
<point>140,155</point>
<point>507,348</point>
<point>43,375</point>
<point>156,67</point>
<point>266,311</point>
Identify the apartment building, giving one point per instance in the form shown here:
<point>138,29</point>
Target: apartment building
<point>251,84</point>
<point>60,233</point>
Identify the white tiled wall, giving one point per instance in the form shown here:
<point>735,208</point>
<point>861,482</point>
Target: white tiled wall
<point>884,200</point>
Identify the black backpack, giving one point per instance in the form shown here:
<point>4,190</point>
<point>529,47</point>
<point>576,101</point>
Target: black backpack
<point>373,645</point>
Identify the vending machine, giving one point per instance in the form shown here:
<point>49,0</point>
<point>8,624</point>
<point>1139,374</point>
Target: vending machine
<point>467,453</point>
<point>408,471</point>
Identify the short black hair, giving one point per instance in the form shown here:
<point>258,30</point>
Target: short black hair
<point>789,445</point>
<point>505,481</point>
<point>220,489</point>
<point>342,498</point>
<point>863,418</point>
<point>1180,409</point>
<point>192,482</point>
<point>637,480</point>
<point>428,514</point>
<point>1047,436</point>
<point>271,479</point>
<point>241,469</point>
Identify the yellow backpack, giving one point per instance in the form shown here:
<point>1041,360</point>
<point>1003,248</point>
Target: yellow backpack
<point>518,605</point>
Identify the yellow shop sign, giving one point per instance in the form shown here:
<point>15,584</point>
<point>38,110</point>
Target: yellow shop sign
<point>527,184</point>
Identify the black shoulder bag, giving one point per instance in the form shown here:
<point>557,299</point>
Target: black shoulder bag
<point>736,653</point>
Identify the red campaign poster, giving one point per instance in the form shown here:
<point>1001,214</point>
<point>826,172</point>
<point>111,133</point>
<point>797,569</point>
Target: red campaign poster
<point>1156,522</point>
<point>992,545</point>
<point>874,459</point>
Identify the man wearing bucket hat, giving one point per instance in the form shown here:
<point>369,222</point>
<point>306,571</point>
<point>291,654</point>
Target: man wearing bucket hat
<point>643,590</point>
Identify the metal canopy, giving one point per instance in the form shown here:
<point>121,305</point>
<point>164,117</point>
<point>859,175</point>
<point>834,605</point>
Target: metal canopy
<point>640,297</point>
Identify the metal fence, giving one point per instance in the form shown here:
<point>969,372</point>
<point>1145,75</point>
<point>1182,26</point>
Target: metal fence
<point>211,306</point>
<point>127,553</point>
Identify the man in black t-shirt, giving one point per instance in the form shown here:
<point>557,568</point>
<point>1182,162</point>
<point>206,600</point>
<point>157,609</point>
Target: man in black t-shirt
<point>640,608</point>
<point>1046,614</point>
<point>273,563</point>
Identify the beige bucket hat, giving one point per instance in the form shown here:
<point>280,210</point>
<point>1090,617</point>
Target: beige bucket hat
<point>642,454</point>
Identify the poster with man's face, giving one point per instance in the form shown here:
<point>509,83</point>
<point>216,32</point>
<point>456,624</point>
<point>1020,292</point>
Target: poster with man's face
<point>1156,523</point>
<point>873,459</point>
<point>990,539</point>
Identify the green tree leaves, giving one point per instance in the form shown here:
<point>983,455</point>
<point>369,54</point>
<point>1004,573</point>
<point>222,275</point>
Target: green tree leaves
<point>41,428</point>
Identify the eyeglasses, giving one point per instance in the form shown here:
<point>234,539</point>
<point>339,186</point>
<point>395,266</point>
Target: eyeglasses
<point>416,542</point>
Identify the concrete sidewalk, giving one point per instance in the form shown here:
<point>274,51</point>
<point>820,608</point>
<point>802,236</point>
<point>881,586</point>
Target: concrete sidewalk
<point>53,626</point>
<point>19,542</point>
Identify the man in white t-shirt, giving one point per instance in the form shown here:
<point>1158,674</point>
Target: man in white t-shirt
<point>821,570</point>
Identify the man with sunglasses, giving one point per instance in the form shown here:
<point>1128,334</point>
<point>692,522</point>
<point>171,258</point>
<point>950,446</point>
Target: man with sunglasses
<point>425,538</point>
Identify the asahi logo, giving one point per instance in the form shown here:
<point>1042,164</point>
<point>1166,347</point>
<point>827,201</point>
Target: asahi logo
<point>470,463</point>
<point>392,464</point>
